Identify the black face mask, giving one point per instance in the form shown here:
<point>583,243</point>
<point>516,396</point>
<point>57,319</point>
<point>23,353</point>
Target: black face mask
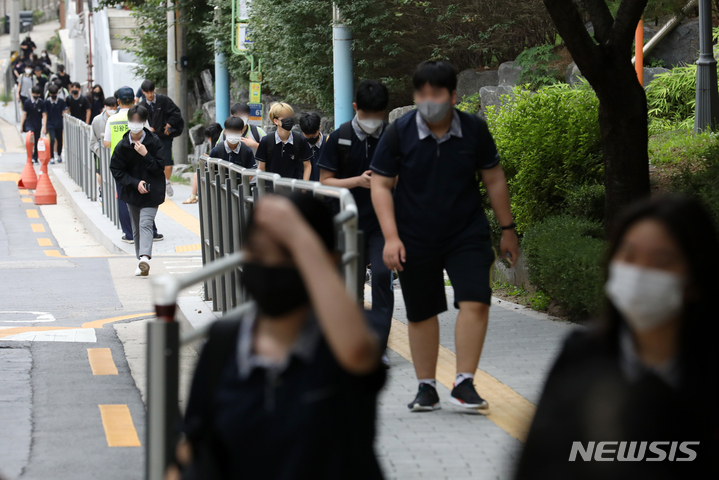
<point>288,123</point>
<point>36,98</point>
<point>277,290</point>
<point>96,94</point>
<point>312,140</point>
<point>54,97</point>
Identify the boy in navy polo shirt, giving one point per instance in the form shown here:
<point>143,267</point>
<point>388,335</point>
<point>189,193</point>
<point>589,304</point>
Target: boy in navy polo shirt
<point>232,148</point>
<point>55,108</point>
<point>34,118</point>
<point>310,126</point>
<point>285,152</point>
<point>435,221</point>
<point>347,166</point>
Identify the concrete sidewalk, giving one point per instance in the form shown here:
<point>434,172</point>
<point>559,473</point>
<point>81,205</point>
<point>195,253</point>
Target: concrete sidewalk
<point>519,350</point>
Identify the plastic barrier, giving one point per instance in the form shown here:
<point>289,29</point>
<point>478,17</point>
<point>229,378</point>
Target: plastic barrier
<point>28,178</point>
<point>45,193</point>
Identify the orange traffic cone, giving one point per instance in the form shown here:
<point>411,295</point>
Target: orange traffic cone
<point>28,178</point>
<point>45,193</point>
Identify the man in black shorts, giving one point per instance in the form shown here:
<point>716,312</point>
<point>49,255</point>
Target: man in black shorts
<point>435,221</point>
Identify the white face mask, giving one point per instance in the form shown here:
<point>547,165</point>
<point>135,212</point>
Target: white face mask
<point>135,127</point>
<point>369,125</point>
<point>646,298</point>
<point>28,71</point>
<point>233,138</point>
<point>245,119</point>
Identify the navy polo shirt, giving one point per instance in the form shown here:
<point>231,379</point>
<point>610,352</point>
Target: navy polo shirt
<point>242,156</point>
<point>78,107</point>
<point>283,160</point>
<point>317,150</point>
<point>361,153</point>
<point>34,110</point>
<point>54,113</point>
<point>437,199</point>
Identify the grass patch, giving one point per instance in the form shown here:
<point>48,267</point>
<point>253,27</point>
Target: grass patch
<point>181,180</point>
<point>682,146</point>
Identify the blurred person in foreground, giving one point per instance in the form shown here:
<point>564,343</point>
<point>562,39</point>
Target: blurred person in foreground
<point>288,390</point>
<point>643,382</point>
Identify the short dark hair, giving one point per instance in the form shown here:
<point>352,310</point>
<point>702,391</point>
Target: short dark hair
<point>57,82</point>
<point>147,86</point>
<point>38,67</point>
<point>438,73</point>
<point>53,89</point>
<point>310,123</point>
<point>37,89</point>
<point>212,132</point>
<point>139,110</point>
<point>371,96</point>
<point>240,108</point>
<point>110,102</point>
<point>75,85</point>
<point>60,67</point>
<point>234,123</point>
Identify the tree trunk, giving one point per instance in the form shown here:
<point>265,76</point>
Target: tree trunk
<point>624,130</point>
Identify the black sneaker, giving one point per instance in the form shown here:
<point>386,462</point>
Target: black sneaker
<point>158,237</point>
<point>464,395</point>
<point>426,400</point>
<point>125,239</point>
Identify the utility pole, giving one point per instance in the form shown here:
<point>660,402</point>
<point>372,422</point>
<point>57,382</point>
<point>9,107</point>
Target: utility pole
<point>343,80</point>
<point>707,99</point>
<point>15,27</point>
<point>177,75</point>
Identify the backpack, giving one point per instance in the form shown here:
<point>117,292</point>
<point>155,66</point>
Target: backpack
<point>344,147</point>
<point>270,145</point>
<point>255,133</point>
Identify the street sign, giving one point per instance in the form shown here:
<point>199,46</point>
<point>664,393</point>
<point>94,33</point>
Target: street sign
<point>255,92</point>
<point>255,114</point>
<point>243,9</point>
<point>244,37</point>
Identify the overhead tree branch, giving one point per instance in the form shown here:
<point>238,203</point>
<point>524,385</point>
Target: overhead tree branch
<point>625,24</point>
<point>601,18</point>
<point>570,25</point>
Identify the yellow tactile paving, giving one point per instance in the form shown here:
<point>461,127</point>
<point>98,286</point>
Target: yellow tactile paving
<point>27,200</point>
<point>44,242</point>
<point>101,361</point>
<point>188,248</point>
<point>32,213</point>
<point>53,253</point>
<point>176,213</point>
<point>37,227</point>
<point>508,410</point>
<point>24,191</point>
<point>9,177</point>
<point>119,429</point>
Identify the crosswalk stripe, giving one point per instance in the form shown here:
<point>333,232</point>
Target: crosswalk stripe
<point>119,429</point>
<point>101,361</point>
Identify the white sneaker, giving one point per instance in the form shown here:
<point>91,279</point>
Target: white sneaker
<point>143,267</point>
<point>168,189</point>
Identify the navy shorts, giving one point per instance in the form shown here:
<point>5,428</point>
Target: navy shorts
<point>167,152</point>
<point>469,266</point>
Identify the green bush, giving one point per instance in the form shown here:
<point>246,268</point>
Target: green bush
<point>54,45</point>
<point>683,147</point>
<point>672,96</point>
<point>564,256</point>
<point>701,179</point>
<point>550,146</point>
<point>537,70</point>
<point>470,103</point>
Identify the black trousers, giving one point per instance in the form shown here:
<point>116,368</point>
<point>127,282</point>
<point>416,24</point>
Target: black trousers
<point>380,317</point>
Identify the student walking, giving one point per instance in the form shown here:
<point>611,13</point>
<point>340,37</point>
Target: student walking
<point>433,220</point>
<point>310,126</point>
<point>232,148</point>
<point>165,121</point>
<point>115,129</point>
<point>24,85</point>
<point>78,104</point>
<point>137,165</point>
<point>615,387</point>
<point>344,163</point>
<point>34,118</point>
<point>55,107</point>
<point>286,152</point>
<point>288,390</point>
<point>97,101</point>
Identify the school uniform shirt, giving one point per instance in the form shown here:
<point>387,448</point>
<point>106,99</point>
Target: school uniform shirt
<point>97,107</point>
<point>241,155</point>
<point>129,168</point>
<point>78,106</point>
<point>437,198</point>
<point>361,153</point>
<point>288,420</point>
<point>247,134</point>
<point>283,160</point>
<point>34,110</point>
<point>316,154</point>
<point>64,79</point>
<point>55,108</point>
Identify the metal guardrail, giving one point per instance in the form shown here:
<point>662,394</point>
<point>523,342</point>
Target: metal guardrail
<point>80,165</point>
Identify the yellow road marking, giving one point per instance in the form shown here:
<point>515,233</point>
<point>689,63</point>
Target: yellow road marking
<point>173,211</point>
<point>37,227</point>
<point>44,242</point>
<point>32,213</point>
<point>52,253</point>
<point>101,361</point>
<point>119,429</point>
<point>508,410</point>
<point>9,177</point>
<point>188,248</point>
<point>27,200</point>
<point>105,321</point>
<point>24,191</point>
